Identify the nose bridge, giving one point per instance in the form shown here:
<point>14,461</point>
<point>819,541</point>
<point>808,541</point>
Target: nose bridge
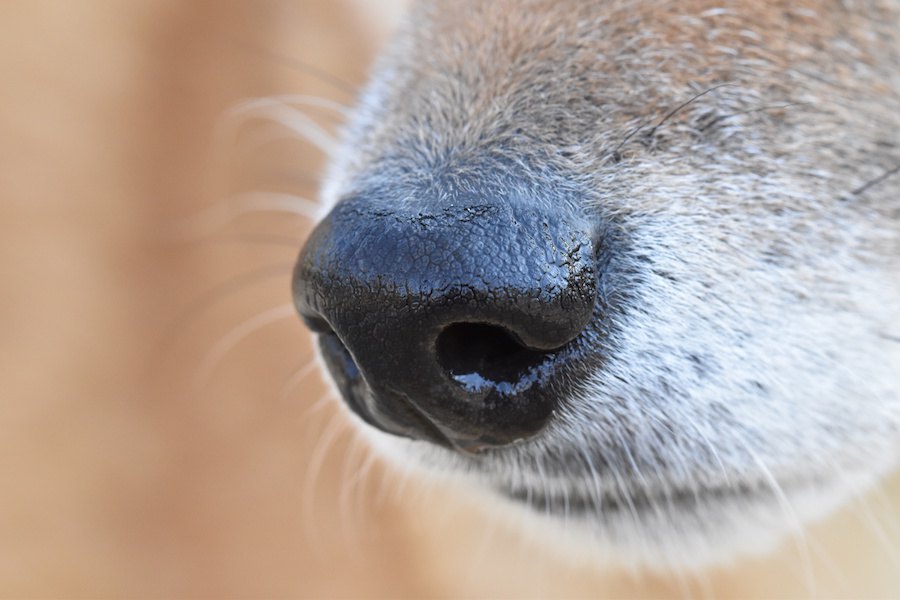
<point>505,261</point>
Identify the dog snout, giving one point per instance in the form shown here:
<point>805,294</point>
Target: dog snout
<point>447,323</point>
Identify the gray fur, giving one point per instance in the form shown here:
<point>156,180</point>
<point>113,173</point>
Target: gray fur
<point>752,376</point>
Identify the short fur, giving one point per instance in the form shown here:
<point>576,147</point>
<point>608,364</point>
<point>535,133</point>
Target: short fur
<point>747,153</point>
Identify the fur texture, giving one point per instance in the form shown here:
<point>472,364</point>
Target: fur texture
<point>747,157</point>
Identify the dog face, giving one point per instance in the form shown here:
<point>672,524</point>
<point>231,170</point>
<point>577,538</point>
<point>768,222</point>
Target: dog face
<point>631,266</point>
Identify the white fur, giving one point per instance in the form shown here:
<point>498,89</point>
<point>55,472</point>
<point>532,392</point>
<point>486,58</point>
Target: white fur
<point>760,351</point>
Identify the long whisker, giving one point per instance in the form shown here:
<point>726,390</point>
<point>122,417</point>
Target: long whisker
<point>322,75</point>
<point>323,401</point>
<point>198,305</point>
<point>684,105</point>
<point>597,496</point>
<point>297,378</point>
<point>222,213</point>
<point>886,507</point>
<point>476,557</point>
<point>653,129</point>
<point>235,336</point>
<point>751,111</point>
<point>702,579</point>
<point>349,529</point>
<point>801,540</point>
<point>381,493</point>
<point>253,239</point>
<point>873,182</point>
<point>253,106</point>
<point>337,425</point>
<point>885,533</point>
<point>255,142</point>
<point>294,119</point>
<point>362,479</point>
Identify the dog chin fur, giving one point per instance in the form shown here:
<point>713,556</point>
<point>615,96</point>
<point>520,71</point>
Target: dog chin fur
<point>707,527</point>
<point>750,455</point>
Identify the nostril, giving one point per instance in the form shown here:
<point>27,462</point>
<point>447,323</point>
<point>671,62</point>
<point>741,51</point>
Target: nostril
<point>478,355</point>
<point>455,320</point>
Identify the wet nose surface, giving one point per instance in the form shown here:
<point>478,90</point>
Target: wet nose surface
<point>447,324</point>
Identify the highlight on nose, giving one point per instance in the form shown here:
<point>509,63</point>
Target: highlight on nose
<point>448,323</point>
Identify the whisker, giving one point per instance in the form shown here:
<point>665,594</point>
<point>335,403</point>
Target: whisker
<point>597,496</point>
<point>477,555</point>
<point>323,401</point>
<point>403,480</point>
<point>886,506</point>
<point>614,155</point>
<point>336,426</point>
<point>798,534</point>
<point>254,144</point>
<point>872,183</point>
<point>751,111</point>
<point>889,337</point>
<point>681,580</point>
<point>702,579</point>
<point>684,105</point>
<point>381,494</point>
<point>711,448</point>
<point>349,521</point>
<point>175,329</point>
<point>362,479</point>
<point>222,213</point>
<point>664,119</point>
<point>885,533</point>
<point>290,117</point>
<point>624,491</point>
<point>261,239</point>
<point>242,109</point>
<point>322,75</point>
<point>297,378</point>
<point>235,336</point>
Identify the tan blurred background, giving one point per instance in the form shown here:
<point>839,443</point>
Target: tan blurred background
<point>159,432</point>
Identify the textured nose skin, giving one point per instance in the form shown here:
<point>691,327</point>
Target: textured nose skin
<point>453,317</point>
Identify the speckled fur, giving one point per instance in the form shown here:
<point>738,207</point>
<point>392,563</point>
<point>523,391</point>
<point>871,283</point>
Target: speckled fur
<point>747,154</point>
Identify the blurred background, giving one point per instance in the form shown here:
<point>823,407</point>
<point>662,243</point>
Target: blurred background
<point>162,430</point>
<point>142,454</point>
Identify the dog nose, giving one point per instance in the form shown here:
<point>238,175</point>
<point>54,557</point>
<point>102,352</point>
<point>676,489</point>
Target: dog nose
<point>446,324</point>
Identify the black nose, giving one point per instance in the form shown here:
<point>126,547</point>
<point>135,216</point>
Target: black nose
<point>448,323</point>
